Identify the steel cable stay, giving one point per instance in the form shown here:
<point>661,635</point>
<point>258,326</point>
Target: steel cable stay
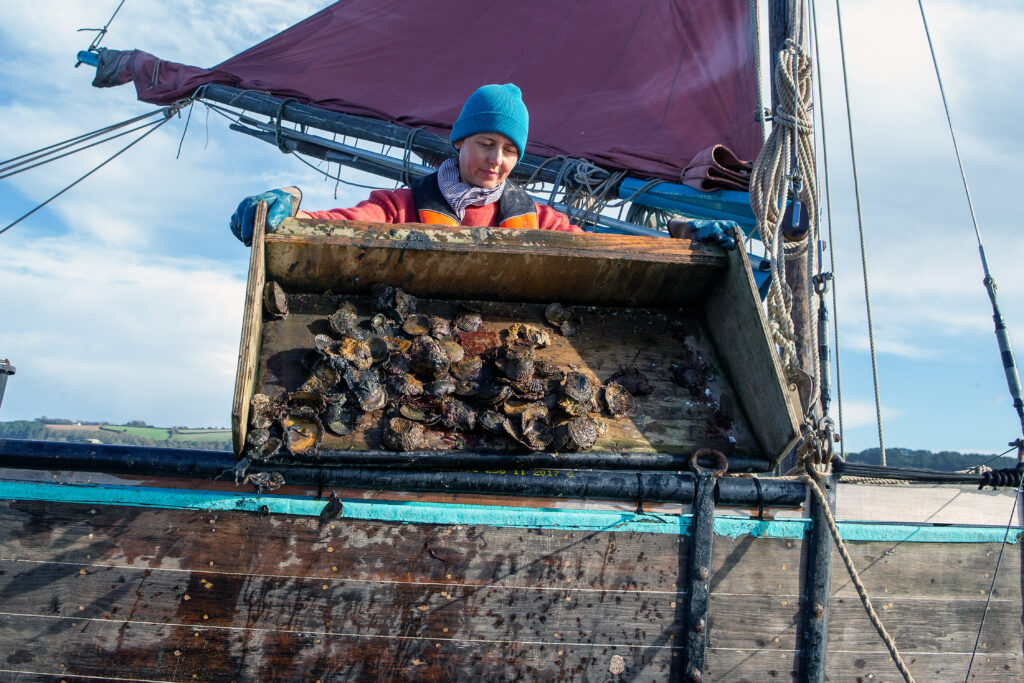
<point>152,127</point>
<point>8,165</point>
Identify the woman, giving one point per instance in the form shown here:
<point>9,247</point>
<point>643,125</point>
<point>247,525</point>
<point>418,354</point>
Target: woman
<point>490,136</point>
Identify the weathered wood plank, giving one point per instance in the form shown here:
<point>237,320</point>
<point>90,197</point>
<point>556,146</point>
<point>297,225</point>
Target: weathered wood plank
<point>736,323</point>
<point>940,571</point>
<point>369,608</point>
<point>611,339</point>
<point>287,546</point>
<point>487,263</point>
<point>68,646</point>
<point>757,666</point>
<point>249,345</point>
<point>934,504</point>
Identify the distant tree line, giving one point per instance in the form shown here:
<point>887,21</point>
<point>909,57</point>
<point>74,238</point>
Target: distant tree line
<point>943,461</point>
<point>36,429</point>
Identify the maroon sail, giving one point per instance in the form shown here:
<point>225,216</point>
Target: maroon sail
<point>639,85</point>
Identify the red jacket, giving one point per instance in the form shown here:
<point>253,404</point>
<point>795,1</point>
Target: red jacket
<point>396,206</point>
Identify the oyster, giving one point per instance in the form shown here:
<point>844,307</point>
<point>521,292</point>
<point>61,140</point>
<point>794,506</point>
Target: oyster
<point>356,352</point>
<point>344,319</point>
<point>367,387</point>
<point>494,394</point>
<point>396,344</point>
<point>406,385</point>
<point>536,435</point>
<point>381,325</point>
<point>275,301</point>
<point>441,387</point>
<point>393,301</point>
<point>520,332</point>
<point>310,403</point>
<point>557,314</point>
<point>456,414</point>
<point>578,387</point>
<point>302,434</point>
<point>265,450</point>
<point>416,325</point>
<point>440,327</point>
<point>256,437</point>
<point>494,422</point>
<point>400,434</point>
<point>416,413</point>
<point>583,433</point>
<point>428,358</point>
<point>518,362</point>
<point>339,419</point>
<point>454,351</point>
<point>617,399</point>
<point>260,415</point>
<point>468,368</point>
<point>379,349</point>
<point>469,322</point>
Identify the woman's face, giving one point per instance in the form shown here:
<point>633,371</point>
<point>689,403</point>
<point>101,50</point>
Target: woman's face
<point>486,159</point>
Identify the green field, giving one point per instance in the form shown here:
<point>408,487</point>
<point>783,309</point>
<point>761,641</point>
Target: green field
<point>161,434</point>
<point>155,433</point>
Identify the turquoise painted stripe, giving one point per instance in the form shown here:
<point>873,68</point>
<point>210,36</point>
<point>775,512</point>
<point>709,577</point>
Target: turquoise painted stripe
<point>489,515</point>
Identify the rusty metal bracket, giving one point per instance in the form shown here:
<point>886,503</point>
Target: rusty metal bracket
<point>702,533</point>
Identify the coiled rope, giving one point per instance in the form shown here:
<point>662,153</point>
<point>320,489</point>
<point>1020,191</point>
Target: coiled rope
<point>773,178</point>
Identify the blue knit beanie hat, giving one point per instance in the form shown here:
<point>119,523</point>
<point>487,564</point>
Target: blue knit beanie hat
<point>494,109</point>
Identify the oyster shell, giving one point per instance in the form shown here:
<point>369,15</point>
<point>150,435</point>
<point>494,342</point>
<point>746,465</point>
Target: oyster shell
<point>344,319</point>
<point>367,387</point>
<point>441,387</point>
<point>428,358</point>
<point>260,415</point>
<point>578,387</point>
<point>339,419</point>
<point>469,322</point>
<point>406,385</point>
<point>275,301</point>
<point>302,434</point>
<point>454,351</point>
<point>416,325</point>
<point>583,433</point>
<point>468,368</point>
<point>617,399</point>
<point>557,314</point>
<point>400,434</point>
<point>456,414</point>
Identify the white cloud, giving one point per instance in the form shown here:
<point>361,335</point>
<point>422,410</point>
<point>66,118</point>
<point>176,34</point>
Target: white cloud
<point>99,333</point>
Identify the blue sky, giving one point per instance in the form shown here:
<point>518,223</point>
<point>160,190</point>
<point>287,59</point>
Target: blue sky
<point>122,299</point>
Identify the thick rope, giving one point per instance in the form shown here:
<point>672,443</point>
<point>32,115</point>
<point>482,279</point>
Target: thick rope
<point>890,644</point>
<point>772,179</point>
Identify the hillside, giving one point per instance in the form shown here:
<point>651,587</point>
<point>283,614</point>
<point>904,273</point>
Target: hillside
<point>135,433</point>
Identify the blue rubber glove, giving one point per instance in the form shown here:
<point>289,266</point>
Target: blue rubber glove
<point>713,232</point>
<point>279,207</point>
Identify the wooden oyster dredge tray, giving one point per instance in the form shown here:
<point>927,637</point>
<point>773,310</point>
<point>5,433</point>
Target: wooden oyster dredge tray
<point>648,303</point>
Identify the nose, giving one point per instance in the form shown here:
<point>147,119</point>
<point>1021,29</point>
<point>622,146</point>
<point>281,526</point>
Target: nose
<point>494,157</point>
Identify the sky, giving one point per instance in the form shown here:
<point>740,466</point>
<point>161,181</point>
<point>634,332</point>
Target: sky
<point>122,299</point>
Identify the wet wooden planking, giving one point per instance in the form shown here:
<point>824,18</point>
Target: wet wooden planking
<point>68,647</point>
<point>610,339</point>
<point>291,546</point>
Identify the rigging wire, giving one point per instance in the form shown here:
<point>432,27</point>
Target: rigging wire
<point>1002,337</point>
<point>21,159</point>
<point>828,215</point>
<point>101,32</point>
<point>860,230</point>
<point>116,154</point>
<point>80,149</point>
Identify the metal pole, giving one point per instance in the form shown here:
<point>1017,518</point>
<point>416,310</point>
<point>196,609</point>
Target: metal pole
<point>818,581</point>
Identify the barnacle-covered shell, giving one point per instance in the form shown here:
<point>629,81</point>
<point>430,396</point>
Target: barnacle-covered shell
<point>494,394</point>
<point>518,362</point>
<point>547,370</point>
<point>467,388</point>
<point>578,387</point>
<point>520,332</point>
<point>454,351</point>
<point>583,433</point>
<point>405,304</point>
<point>393,301</point>
<point>400,434</point>
<point>617,399</point>
<point>255,438</point>
<point>302,434</point>
<point>406,385</point>
<point>306,402</point>
<point>356,352</point>
<point>259,411</point>
<point>428,358</point>
<point>440,327</point>
<point>574,408</point>
<point>265,450</point>
<point>416,413</point>
<point>531,388</point>
<point>312,383</point>
<point>469,322</point>
<point>344,319</point>
<point>326,373</point>
<point>275,301</point>
<point>456,414</point>
<point>415,325</point>
<point>468,368</point>
<point>324,344</point>
<point>396,344</point>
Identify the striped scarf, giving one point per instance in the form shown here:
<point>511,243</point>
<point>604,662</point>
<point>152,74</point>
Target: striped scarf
<point>459,194</point>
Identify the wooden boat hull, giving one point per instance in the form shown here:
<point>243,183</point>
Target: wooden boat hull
<point>181,580</point>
